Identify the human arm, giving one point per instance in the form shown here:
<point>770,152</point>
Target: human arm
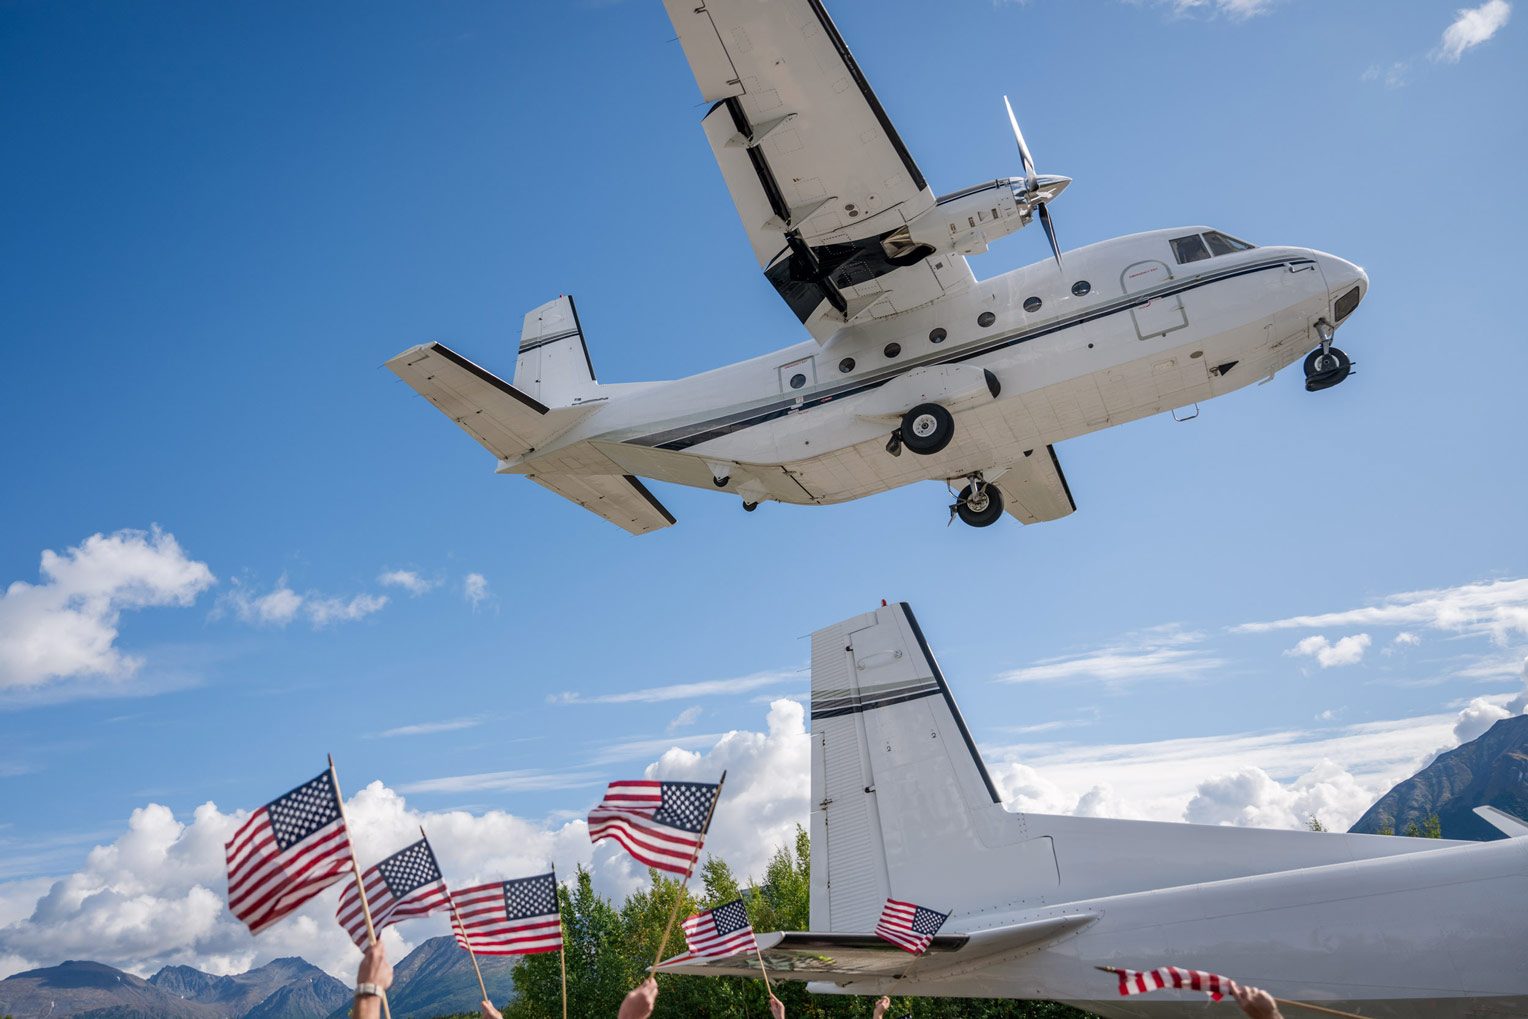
<point>375,971</point>
<point>639,1003</point>
<point>1256,1002</point>
<point>881,1006</point>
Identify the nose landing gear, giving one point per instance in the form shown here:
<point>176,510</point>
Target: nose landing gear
<point>979,504</point>
<point>1325,366</point>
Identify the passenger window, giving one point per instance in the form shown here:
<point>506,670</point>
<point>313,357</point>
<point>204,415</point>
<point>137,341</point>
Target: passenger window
<point>1189,249</point>
<point>1224,244</point>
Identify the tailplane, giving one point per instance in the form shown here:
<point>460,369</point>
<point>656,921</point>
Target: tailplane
<point>554,365</point>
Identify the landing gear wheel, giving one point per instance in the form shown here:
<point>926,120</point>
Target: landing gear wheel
<point>750,506</point>
<point>979,508</point>
<point>1325,368</point>
<point>722,482</point>
<point>927,428</point>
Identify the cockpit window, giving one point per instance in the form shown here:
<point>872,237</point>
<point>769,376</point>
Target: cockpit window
<point>1224,244</point>
<point>1189,249</point>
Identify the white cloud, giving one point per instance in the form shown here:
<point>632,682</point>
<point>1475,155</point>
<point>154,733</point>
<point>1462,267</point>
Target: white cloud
<point>1519,703</point>
<point>66,626</point>
<point>1238,9</point>
<point>524,780</point>
<point>1478,716</point>
<point>1496,609</point>
<point>1393,76</point>
<point>1472,26</point>
<point>1406,639</point>
<point>155,894</point>
<point>1249,797</point>
<point>674,692</point>
<point>430,728</point>
<point>281,605</point>
<point>410,581</point>
<point>1164,652</point>
<point>685,718</point>
<point>1346,651</point>
<point>475,589</point>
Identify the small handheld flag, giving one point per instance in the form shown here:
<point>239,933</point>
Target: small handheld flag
<point>518,917</point>
<point>404,886</point>
<point>1139,982</point>
<point>909,926</point>
<point>662,824</point>
<point>720,931</point>
<point>287,852</point>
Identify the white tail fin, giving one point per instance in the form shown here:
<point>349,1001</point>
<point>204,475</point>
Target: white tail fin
<point>554,365</point>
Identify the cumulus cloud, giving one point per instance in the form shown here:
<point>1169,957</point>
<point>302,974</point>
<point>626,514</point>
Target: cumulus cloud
<point>1346,651</point>
<point>1250,797</point>
<point>675,691</point>
<point>1478,716</point>
<point>1471,27</point>
<point>475,589</point>
<point>66,626</point>
<point>1164,652</point>
<point>154,895</point>
<point>410,581</point>
<point>281,605</point>
<point>1496,609</point>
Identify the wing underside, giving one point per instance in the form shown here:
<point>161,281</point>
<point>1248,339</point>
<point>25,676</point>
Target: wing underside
<point>1035,490</point>
<point>821,180</point>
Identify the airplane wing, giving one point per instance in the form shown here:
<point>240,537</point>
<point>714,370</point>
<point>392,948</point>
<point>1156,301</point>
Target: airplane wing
<point>847,958</point>
<point>821,180</point>
<point>619,498</point>
<point>1036,490</point>
<point>1507,824</point>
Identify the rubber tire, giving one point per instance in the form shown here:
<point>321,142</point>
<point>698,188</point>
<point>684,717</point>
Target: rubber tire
<point>749,507</point>
<point>934,441</point>
<point>988,515</point>
<point>1319,377</point>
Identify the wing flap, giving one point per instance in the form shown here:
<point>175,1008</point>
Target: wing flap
<point>619,498</point>
<point>1035,490</point>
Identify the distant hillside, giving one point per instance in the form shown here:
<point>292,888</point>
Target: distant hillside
<point>1491,770</point>
<point>435,979</point>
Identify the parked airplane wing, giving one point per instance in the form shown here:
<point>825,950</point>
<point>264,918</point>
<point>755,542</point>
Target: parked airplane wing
<point>1036,490</point>
<point>1507,824</point>
<point>620,499</point>
<point>505,421</point>
<point>820,178</point>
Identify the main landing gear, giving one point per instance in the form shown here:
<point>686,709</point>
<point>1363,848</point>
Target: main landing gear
<point>925,430</point>
<point>1326,365</point>
<point>979,504</point>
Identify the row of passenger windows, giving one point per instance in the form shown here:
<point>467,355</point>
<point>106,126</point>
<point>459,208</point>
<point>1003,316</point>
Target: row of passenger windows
<point>1197,247</point>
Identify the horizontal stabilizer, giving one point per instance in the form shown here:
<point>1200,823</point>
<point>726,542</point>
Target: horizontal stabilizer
<point>619,498</point>
<point>1512,827</point>
<point>1035,490</point>
<point>504,420</point>
<point>849,957</point>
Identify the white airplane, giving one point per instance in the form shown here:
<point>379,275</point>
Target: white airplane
<point>909,352</point>
<point>902,807</point>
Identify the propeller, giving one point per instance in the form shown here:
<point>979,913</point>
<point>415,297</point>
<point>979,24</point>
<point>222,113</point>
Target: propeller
<point>1032,185</point>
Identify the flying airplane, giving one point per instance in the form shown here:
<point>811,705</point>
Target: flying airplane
<point>902,807</point>
<point>914,370</point>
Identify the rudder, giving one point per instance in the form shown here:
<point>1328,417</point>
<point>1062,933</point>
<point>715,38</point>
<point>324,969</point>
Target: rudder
<point>554,364</point>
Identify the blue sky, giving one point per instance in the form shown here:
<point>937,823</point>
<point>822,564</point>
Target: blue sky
<point>220,221</point>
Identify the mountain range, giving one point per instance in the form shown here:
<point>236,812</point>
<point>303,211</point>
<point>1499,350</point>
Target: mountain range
<point>1490,770</point>
<point>434,979</point>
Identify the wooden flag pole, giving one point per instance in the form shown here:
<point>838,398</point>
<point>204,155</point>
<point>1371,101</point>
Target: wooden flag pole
<point>1282,1002</point>
<point>562,952</point>
<point>762,971</point>
<point>355,867</point>
<point>458,918</point>
<point>674,912</point>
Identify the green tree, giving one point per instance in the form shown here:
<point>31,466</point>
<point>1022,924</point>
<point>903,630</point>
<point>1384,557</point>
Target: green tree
<point>1430,828</point>
<point>599,970</point>
<point>1314,824</point>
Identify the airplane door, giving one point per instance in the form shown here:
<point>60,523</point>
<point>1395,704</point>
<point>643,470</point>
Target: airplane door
<point>798,375</point>
<point>1158,316</point>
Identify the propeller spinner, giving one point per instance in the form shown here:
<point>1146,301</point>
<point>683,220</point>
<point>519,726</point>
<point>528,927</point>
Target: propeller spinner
<point>1038,190</point>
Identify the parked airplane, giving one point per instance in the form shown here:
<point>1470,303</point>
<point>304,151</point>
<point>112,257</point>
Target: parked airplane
<point>903,807</point>
<point>909,352</point>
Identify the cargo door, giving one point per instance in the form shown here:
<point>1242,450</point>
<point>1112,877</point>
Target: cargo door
<point>1158,315</point>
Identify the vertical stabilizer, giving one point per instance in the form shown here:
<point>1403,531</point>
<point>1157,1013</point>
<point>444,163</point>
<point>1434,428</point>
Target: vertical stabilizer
<point>554,365</point>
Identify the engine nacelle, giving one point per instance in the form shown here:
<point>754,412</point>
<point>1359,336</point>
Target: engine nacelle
<point>968,221</point>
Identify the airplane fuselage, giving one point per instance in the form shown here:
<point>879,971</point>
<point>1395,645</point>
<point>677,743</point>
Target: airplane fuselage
<point>1124,331</point>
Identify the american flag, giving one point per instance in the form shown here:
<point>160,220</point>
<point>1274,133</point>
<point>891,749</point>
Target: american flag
<point>287,852</point>
<point>908,926</point>
<point>509,917</point>
<point>722,930</point>
<point>662,824</point>
<point>403,886</point>
<point>1133,982</point>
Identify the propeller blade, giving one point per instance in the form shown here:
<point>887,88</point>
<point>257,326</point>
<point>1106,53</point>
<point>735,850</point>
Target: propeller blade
<point>1050,233</point>
<point>1024,156</point>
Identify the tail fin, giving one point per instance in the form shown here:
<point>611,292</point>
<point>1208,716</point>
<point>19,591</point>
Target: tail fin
<point>554,365</point>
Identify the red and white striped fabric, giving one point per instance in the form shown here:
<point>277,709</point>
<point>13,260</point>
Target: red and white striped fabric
<point>909,926</point>
<point>518,917</point>
<point>720,931</point>
<point>287,852</point>
<point>662,824</point>
<point>402,887</point>
<point>1140,982</point>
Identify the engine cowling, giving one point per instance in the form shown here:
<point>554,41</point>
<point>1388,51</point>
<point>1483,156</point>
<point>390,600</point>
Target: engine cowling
<point>967,222</point>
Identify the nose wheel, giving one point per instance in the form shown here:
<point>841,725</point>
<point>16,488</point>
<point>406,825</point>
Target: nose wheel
<point>1325,367</point>
<point>979,504</point>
